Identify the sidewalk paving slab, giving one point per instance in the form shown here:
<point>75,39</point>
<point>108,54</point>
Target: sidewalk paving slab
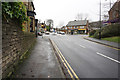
<point>42,62</point>
<point>108,43</point>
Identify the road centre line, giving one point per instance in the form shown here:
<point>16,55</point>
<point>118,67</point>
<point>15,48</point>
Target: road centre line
<point>82,46</point>
<point>108,57</point>
<point>65,61</point>
<point>67,39</point>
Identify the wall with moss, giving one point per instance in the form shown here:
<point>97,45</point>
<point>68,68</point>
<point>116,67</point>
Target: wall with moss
<point>15,43</point>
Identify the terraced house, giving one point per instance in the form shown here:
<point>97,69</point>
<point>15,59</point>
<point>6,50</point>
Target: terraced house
<point>80,27</point>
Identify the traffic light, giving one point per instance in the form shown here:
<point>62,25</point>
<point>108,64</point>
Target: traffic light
<point>42,25</point>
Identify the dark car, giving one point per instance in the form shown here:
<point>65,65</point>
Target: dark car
<point>58,32</point>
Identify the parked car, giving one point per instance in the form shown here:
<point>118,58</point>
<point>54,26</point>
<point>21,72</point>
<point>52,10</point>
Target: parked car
<point>63,33</point>
<point>54,33</point>
<point>47,33</point>
<point>40,34</point>
<point>58,32</point>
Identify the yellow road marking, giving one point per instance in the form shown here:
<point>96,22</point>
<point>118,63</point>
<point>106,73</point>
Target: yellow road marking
<point>63,61</point>
<point>69,66</point>
<point>61,56</point>
<point>105,45</point>
<point>111,47</point>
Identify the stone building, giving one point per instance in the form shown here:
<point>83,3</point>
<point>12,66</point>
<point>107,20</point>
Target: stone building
<point>30,25</point>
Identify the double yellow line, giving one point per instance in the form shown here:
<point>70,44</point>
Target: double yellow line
<point>111,47</point>
<point>66,64</point>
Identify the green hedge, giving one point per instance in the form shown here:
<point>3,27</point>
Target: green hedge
<point>96,35</point>
<point>108,31</point>
<point>15,10</point>
<point>92,32</point>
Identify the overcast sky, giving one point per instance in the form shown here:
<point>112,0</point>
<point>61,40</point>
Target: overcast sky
<point>63,11</point>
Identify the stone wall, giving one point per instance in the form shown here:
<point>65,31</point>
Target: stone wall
<point>14,44</point>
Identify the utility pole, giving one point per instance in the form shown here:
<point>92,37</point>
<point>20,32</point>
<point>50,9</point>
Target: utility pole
<point>107,6</point>
<point>100,22</point>
<point>110,4</point>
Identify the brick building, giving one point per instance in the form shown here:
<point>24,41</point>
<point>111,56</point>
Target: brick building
<point>80,26</point>
<point>114,13</point>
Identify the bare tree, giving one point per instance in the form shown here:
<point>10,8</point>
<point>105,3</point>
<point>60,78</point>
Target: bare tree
<point>79,16</point>
<point>39,20</point>
<point>86,16</point>
<point>50,23</point>
<point>61,23</point>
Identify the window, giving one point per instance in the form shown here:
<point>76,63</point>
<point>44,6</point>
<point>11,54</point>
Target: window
<point>81,27</point>
<point>76,26</point>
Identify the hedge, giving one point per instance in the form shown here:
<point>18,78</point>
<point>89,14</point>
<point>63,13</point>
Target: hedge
<point>92,32</point>
<point>108,31</point>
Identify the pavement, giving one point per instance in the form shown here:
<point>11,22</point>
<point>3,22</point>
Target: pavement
<point>42,62</point>
<point>108,43</point>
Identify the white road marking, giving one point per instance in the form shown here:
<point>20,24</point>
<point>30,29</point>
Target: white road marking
<point>68,39</point>
<point>82,46</point>
<point>108,57</point>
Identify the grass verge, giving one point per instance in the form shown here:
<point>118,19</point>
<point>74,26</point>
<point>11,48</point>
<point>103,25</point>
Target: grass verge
<point>91,36</point>
<point>112,39</point>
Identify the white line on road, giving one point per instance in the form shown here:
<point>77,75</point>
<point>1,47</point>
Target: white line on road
<point>108,57</point>
<point>68,39</point>
<point>82,46</point>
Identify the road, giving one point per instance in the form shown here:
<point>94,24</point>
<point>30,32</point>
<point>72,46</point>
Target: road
<point>88,59</point>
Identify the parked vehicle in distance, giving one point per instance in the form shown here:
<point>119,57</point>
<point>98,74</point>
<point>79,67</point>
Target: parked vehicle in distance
<point>58,32</point>
<point>40,34</point>
<point>42,31</point>
<point>75,32</point>
<point>54,33</point>
<point>63,33</point>
<point>47,33</point>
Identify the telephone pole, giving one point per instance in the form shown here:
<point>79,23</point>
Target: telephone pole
<point>100,22</point>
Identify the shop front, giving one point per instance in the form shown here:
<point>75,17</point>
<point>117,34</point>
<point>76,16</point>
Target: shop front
<point>81,31</point>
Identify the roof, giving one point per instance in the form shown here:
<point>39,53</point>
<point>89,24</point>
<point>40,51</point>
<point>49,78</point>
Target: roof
<point>118,0</point>
<point>115,5</point>
<point>94,24</point>
<point>77,23</point>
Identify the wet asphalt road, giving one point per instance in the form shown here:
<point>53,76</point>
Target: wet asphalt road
<point>88,59</point>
